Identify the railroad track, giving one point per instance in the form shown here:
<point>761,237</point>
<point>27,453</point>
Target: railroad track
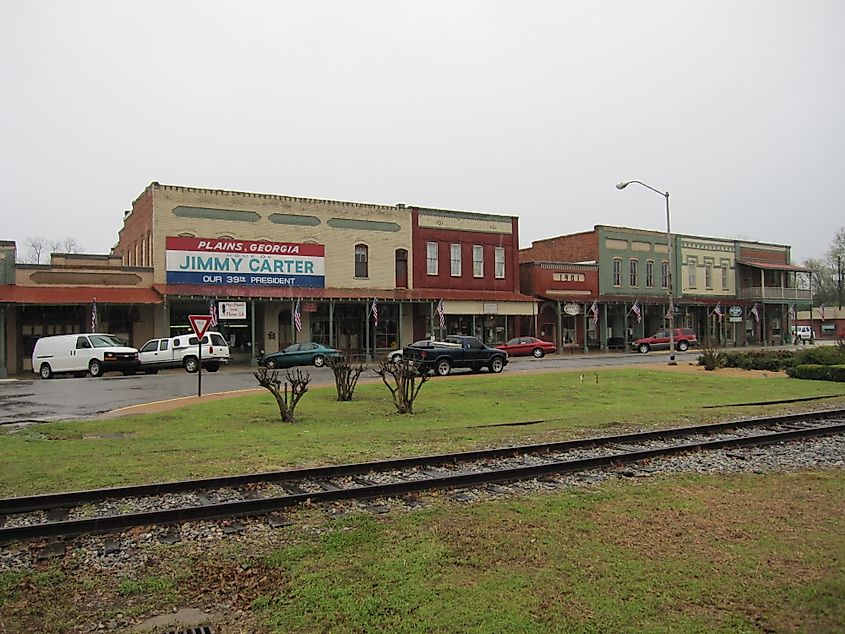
<point>116,509</point>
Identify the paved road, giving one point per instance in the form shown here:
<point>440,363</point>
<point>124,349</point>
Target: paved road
<point>30,399</point>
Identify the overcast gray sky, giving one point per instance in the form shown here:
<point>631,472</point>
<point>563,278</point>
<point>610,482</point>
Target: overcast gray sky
<point>535,109</point>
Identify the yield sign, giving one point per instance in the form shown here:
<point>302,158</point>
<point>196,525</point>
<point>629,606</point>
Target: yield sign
<point>200,324</point>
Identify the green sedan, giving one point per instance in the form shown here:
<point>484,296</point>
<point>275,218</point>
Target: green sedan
<point>307,353</point>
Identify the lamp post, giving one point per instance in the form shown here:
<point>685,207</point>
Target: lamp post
<point>623,185</point>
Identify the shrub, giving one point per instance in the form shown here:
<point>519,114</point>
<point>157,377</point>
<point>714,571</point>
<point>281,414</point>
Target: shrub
<point>820,355</point>
<point>837,373</point>
<point>712,352</point>
<point>772,361</point>
<point>811,371</point>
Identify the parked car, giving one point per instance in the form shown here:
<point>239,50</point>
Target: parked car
<point>95,353</point>
<point>396,355</point>
<point>523,346</point>
<point>684,338</point>
<point>804,333</point>
<point>306,353</point>
<point>456,351</point>
<point>184,352</point>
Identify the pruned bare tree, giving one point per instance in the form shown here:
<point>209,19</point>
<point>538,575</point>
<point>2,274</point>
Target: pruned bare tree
<point>346,376</point>
<point>286,401</point>
<point>712,350</point>
<point>407,379</point>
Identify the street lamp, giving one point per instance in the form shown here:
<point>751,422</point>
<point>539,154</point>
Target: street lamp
<point>623,185</point>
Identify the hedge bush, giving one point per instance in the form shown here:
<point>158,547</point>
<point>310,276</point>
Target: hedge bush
<point>811,371</point>
<point>776,360</point>
<point>770,360</point>
<point>837,373</point>
<point>820,355</point>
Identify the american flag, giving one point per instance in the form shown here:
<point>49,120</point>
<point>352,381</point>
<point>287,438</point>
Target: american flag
<point>755,312</point>
<point>821,312</point>
<point>793,312</point>
<point>374,311</point>
<point>637,310</point>
<point>94,316</point>
<point>718,310</point>
<point>212,311</point>
<point>595,310</point>
<point>297,317</point>
<point>441,312</point>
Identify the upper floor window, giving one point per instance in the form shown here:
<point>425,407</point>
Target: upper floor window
<point>725,266</point>
<point>649,273</point>
<point>708,275</point>
<point>633,270</point>
<point>664,274</point>
<point>361,260</point>
<point>692,265</point>
<point>400,260</point>
<point>617,271</point>
<point>499,262</point>
<point>431,258</point>
<point>478,260</point>
<point>455,260</point>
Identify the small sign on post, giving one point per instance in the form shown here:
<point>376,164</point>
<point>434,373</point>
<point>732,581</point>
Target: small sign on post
<point>200,324</point>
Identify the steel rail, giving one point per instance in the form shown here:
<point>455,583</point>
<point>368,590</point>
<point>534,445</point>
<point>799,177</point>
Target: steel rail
<point>74,498</point>
<point>247,508</point>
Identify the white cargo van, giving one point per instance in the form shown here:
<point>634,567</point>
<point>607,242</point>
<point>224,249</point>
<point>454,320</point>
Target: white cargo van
<point>95,353</point>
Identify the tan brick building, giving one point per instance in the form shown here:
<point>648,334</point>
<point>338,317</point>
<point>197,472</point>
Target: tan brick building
<point>271,254</point>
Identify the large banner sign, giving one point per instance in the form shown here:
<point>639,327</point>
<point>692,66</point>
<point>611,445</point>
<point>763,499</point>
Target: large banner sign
<point>224,262</point>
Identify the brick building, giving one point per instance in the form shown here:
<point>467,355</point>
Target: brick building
<point>206,244</point>
<point>278,269</point>
<point>753,284</point>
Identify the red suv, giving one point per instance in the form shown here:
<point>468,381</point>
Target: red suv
<point>684,338</point>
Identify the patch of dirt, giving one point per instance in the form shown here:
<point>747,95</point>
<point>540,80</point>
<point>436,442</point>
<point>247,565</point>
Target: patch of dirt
<point>694,368</point>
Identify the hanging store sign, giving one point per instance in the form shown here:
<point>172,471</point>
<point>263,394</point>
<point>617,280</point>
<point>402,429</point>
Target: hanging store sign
<point>223,262</point>
<point>231,310</point>
<point>735,314</point>
<point>572,309</point>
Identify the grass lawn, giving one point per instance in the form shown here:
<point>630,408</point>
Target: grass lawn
<point>455,413</point>
<point>688,553</point>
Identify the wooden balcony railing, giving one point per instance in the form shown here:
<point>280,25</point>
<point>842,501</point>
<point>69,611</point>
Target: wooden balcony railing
<point>773,292</point>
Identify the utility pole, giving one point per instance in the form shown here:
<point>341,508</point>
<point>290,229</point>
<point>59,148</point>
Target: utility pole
<point>839,278</point>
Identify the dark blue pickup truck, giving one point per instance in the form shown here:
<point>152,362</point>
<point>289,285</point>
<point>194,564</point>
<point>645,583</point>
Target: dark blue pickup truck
<point>456,351</point>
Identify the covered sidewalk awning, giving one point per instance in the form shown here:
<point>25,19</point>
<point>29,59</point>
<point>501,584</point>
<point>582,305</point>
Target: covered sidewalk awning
<point>68,295</point>
<point>299,292</point>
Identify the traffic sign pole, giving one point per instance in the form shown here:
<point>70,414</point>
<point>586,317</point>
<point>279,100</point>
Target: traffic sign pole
<point>199,371</point>
<point>200,324</point>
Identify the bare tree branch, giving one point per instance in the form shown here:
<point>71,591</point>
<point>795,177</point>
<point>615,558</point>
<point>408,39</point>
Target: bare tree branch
<point>298,380</point>
<point>405,373</point>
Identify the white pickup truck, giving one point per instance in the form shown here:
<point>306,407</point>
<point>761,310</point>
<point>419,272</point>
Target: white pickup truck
<point>183,351</point>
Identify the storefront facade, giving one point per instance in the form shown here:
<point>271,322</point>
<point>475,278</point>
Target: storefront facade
<point>753,285</point>
<point>308,269</point>
<point>276,270</point>
<point>74,293</point>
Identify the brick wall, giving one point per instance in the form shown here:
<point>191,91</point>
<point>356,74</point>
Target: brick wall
<point>135,242</point>
<point>576,247</point>
<point>257,209</point>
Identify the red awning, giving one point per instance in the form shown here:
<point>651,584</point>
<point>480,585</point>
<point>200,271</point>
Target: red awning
<point>774,267</point>
<point>264,292</point>
<point>59,295</point>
